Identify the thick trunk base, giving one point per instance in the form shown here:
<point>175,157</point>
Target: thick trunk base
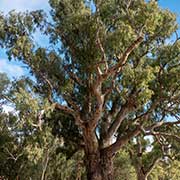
<point>107,169</point>
<point>92,167</point>
<point>141,176</point>
<point>99,167</point>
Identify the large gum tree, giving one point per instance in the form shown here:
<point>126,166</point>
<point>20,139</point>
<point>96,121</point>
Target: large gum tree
<point>108,70</point>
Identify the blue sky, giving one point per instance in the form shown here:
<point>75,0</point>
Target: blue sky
<point>173,5</point>
<point>15,69</point>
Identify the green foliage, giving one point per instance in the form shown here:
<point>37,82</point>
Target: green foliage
<point>123,167</point>
<point>166,172</point>
<point>25,155</point>
<point>92,63</point>
<point>4,81</point>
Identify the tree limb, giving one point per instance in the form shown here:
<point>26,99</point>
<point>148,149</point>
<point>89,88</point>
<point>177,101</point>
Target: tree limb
<point>70,111</point>
<point>112,149</point>
<point>100,46</point>
<point>117,122</point>
<point>123,59</point>
<point>99,106</point>
<point>73,76</point>
<point>151,167</point>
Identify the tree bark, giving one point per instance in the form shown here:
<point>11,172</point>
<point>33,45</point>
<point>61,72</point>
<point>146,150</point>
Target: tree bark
<point>141,175</point>
<point>99,166</point>
<point>107,167</point>
<point>92,155</point>
<point>93,168</point>
<point>99,163</point>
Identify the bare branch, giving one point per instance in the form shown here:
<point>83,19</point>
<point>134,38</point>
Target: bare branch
<point>73,76</point>
<point>177,38</point>
<point>139,147</point>
<point>64,108</point>
<point>96,87</point>
<point>39,119</point>
<point>155,125</point>
<point>12,156</point>
<point>70,111</point>
<point>117,122</point>
<point>176,137</point>
<point>123,59</point>
<point>162,123</point>
<point>151,167</point>
<point>99,107</point>
<point>50,87</point>
<point>70,102</point>
<point>125,109</point>
<point>100,46</point>
<point>45,165</point>
<point>7,98</point>
<point>121,141</point>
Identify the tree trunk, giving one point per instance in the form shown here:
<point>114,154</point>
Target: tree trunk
<point>99,165</point>
<point>92,155</point>
<point>141,175</point>
<point>107,168</point>
<point>93,168</point>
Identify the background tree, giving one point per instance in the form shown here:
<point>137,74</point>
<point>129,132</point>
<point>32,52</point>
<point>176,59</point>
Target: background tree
<point>123,169</point>
<point>108,70</point>
<point>145,154</point>
<point>28,150</point>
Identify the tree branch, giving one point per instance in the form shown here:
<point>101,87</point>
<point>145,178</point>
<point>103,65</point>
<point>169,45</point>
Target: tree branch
<point>123,59</point>
<point>70,111</point>
<point>64,108</point>
<point>50,87</point>
<point>176,137</point>
<point>72,75</point>
<point>99,106</point>
<point>100,46</point>
<point>151,167</point>
<point>68,99</point>
<point>117,122</point>
<point>7,98</point>
<point>123,140</point>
